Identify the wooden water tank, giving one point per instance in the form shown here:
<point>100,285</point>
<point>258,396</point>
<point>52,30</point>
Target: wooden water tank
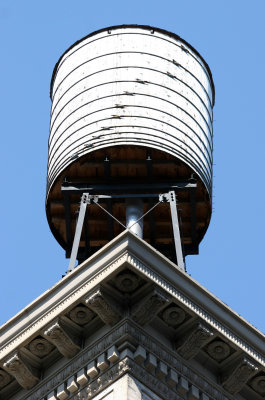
<point>131,105</point>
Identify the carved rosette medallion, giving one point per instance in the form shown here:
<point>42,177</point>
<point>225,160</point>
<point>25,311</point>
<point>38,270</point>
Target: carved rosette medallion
<point>218,350</point>
<point>127,282</point>
<point>258,384</point>
<point>40,347</point>
<point>81,315</point>
<point>5,378</point>
<point>174,316</point>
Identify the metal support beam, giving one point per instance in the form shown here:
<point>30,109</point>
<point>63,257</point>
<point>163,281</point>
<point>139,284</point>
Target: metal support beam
<point>134,216</point>
<point>175,224</point>
<point>151,222</point>
<point>67,215</point>
<point>171,198</point>
<point>149,171</point>
<point>110,220</point>
<point>126,188</point>
<point>193,216</point>
<point>78,231</point>
<point>87,234</point>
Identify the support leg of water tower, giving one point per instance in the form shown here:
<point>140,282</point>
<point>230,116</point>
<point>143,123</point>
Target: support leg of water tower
<point>78,231</point>
<point>176,233</point>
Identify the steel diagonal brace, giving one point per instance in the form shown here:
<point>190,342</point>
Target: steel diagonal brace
<point>171,198</point>
<point>85,199</point>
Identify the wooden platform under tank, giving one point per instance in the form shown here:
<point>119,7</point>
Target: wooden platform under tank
<point>123,165</point>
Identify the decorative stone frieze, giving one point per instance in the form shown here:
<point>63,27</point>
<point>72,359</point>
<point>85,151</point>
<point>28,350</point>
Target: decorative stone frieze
<point>104,306</point>
<point>177,379</point>
<point>26,376</point>
<point>60,338</point>
<point>127,366</point>
<point>211,320</point>
<point>239,374</point>
<point>191,343</point>
<point>144,311</point>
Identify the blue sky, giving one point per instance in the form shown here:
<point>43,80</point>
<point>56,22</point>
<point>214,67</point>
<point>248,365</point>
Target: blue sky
<point>230,35</point>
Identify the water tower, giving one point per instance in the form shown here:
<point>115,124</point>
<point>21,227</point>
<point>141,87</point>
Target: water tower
<point>130,136</point>
<point>130,149</point>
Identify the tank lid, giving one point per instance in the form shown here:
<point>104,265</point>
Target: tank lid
<point>146,27</point>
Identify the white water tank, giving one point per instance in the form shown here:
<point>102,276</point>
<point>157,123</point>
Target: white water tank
<point>121,91</point>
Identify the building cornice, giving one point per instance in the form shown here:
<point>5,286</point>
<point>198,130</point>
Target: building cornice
<point>96,285</point>
<point>128,248</point>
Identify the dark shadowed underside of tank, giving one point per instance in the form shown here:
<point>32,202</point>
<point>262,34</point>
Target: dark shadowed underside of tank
<point>118,167</point>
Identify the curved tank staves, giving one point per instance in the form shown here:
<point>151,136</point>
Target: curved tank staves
<point>130,105</point>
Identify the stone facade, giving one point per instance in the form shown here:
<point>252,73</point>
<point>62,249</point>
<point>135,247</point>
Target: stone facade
<point>129,324</point>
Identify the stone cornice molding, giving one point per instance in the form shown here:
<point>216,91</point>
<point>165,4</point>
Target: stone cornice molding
<point>91,357</point>
<point>199,311</point>
<point>50,311</point>
<point>127,250</point>
<point>127,366</point>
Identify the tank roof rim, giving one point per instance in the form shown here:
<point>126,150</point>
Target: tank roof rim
<point>146,27</point>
